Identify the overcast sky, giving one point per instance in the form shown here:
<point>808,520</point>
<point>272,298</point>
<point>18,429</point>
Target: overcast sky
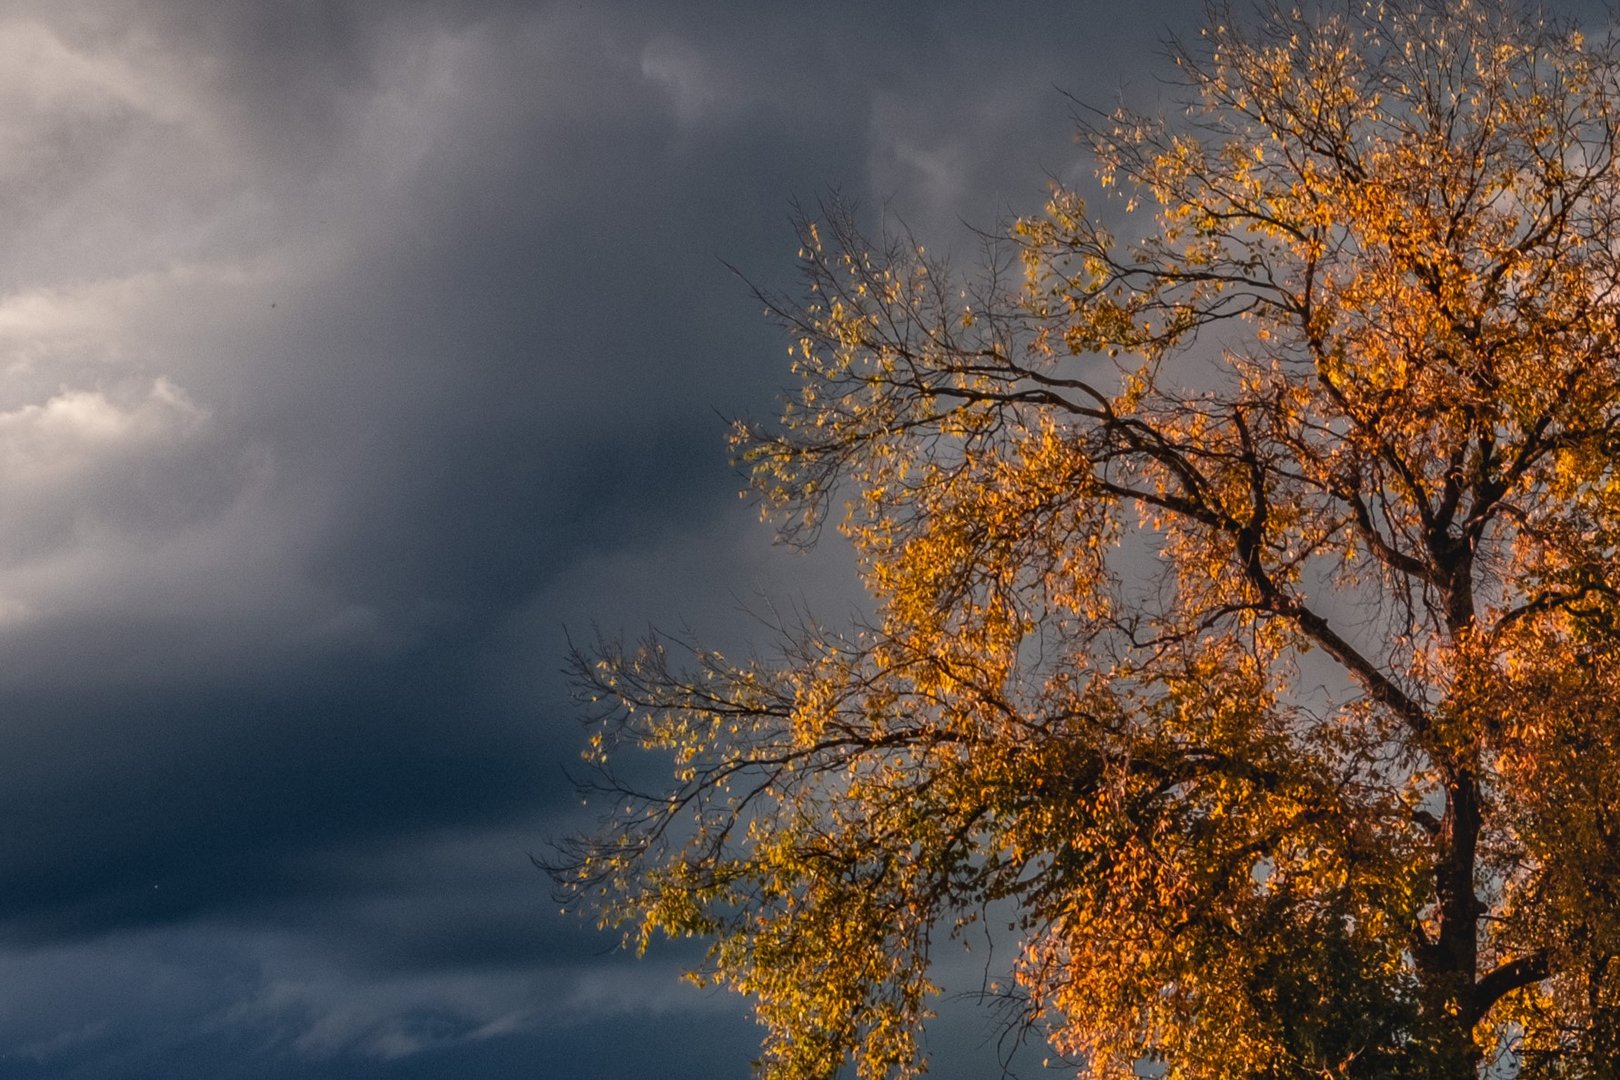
<point>352,351</point>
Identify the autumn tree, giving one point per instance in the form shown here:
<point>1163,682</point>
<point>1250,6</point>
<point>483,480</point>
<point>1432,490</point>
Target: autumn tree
<point>1244,590</point>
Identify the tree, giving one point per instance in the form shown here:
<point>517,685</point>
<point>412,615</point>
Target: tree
<point>1246,617</point>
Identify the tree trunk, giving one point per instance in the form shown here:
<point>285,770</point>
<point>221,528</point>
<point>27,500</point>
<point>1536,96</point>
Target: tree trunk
<point>1448,967</point>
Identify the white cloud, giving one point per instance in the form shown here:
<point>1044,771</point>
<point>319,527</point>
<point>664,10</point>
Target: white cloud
<point>156,222</point>
<point>77,430</point>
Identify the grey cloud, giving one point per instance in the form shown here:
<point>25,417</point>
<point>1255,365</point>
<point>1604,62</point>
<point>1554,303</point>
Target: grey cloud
<point>142,1003</point>
<point>351,351</point>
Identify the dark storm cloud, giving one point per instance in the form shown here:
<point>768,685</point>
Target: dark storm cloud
<point>351,351</point>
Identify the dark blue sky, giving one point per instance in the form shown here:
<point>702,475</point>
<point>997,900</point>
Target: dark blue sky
<point>351,352</point>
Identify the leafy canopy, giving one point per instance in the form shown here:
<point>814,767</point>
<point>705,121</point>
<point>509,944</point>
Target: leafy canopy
<point>1246,618</point>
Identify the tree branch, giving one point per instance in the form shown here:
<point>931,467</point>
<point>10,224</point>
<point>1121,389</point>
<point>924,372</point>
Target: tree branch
<point>1503,980</point>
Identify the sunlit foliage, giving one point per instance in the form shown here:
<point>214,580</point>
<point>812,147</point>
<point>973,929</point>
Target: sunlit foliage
<point>1245,619</point>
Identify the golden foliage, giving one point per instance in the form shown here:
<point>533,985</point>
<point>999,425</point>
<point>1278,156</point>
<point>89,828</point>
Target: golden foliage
<point>1246,618</point>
